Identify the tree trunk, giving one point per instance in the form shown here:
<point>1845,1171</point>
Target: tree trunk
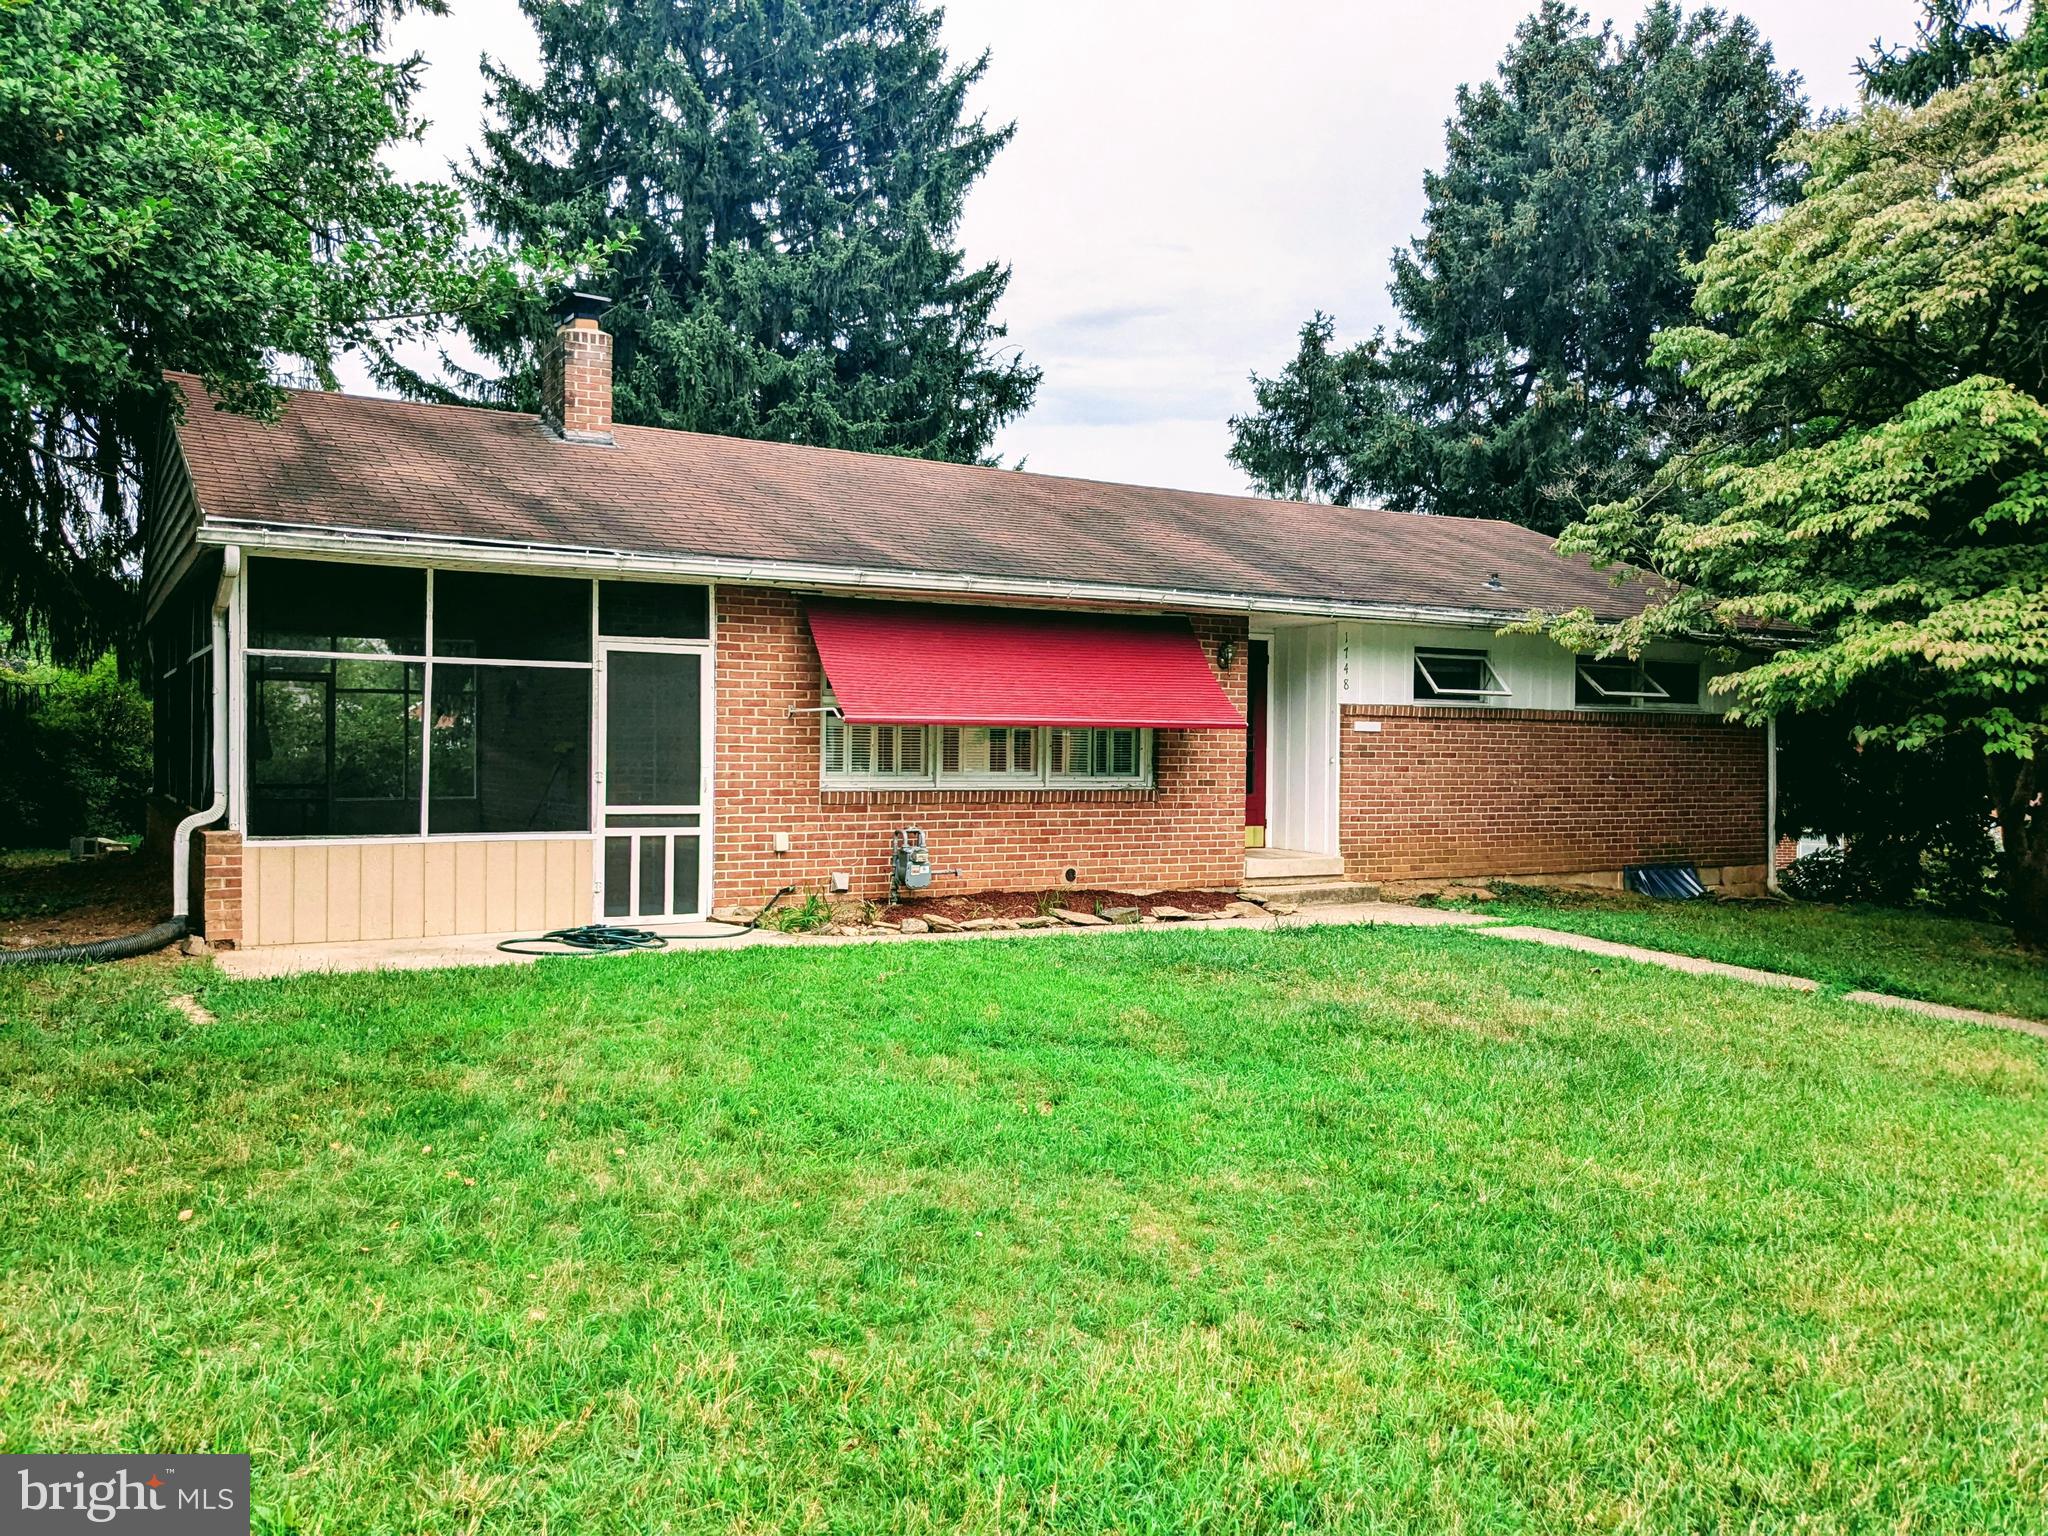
<point>2023,862</point>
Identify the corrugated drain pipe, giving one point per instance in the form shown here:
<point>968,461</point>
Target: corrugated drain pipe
<point>180,924</point>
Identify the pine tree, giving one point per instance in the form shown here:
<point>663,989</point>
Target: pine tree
<point>1575,188</point>
<point>1952,39</point>
<point>781,182</point>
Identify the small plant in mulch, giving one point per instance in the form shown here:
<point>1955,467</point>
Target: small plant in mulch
<point>815,913</point>
<point>1016,904</point>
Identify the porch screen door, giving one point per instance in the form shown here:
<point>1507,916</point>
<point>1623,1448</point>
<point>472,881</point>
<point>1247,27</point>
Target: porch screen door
<point>653,775</point>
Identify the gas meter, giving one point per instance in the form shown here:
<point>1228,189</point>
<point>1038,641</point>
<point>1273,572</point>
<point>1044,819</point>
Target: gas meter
<point>910,861</point>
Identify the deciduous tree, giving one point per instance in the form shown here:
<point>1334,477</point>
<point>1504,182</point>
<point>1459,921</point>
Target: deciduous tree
<point>1874,488</point>
<point>183,187</point>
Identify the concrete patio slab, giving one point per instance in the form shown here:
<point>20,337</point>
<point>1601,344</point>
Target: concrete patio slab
<point>442,954</point>
<point>435,954</point>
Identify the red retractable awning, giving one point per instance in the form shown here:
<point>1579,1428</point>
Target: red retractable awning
<point>934,664</point>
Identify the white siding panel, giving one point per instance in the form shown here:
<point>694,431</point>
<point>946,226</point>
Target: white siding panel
<point>1376,664</point>
<point>1302,738</point>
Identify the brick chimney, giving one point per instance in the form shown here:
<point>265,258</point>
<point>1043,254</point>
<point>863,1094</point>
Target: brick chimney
<point>576,373</point>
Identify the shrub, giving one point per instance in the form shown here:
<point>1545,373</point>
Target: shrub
<point>1822,875</point>
<point>1952,872</point>
<point>1917,824</point>
<point>79,763</point>
<point>1959,873</point>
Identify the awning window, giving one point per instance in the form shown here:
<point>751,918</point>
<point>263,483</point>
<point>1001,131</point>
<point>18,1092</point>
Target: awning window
<point>933,664</point>
<point>1618,682</point>
<point>1451,674</point>
<point>1608,683</point>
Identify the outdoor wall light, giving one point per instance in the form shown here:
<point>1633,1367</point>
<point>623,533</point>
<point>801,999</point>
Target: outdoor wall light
<point>1226,654</point>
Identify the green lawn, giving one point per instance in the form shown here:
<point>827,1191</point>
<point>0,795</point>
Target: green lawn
<point>1910,954</point>
<point>1329,1229</point>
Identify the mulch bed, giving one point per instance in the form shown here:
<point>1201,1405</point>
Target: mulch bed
<point>963,909</point>
<point>64,903</point>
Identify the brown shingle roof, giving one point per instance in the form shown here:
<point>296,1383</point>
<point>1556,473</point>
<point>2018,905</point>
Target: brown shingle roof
<point>397,467</point>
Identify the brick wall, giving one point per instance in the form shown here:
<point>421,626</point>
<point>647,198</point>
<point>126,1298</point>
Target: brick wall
<point>219,889</point>
<point>1457,792</point>
<point>576,382</point>
<point>1187,831</point>
<point>160,817</point>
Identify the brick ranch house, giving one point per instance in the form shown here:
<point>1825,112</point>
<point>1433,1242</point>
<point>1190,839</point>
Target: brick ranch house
<point>428,670</point>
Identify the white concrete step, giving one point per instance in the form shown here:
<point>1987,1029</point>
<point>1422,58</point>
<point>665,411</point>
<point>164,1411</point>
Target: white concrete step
<point>1313,893</point>
<point>1289,864</point>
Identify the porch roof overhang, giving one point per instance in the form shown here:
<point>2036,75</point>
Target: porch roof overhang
<point>933,664</point>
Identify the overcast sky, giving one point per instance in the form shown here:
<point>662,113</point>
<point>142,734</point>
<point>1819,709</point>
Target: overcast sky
<point>1190,180</point>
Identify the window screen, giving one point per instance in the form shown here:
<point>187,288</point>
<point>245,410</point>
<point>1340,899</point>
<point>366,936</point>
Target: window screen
<point>514,618</point>
<point>318,605</point>
<point>876,751</point>
<point>988,751</point>
<point>509,750</point>
<point>166,719</point>
<point>1008,754</point>
<point>344,739</point>
<point>199,727</point>
<point>181,650</point>
<point>618,870</point>
<point>653,728</point>
<point>654,610</point>
<point>334,747</point>
<point>1095,754</point>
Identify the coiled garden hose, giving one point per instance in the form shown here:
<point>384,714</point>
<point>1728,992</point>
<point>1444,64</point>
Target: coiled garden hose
<point>590,939</point>
<point>603,939</point>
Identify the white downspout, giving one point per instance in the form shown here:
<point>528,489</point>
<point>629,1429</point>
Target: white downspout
<point>1771,804</point>
<point>181,840</point>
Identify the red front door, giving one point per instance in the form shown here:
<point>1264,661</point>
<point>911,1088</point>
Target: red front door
<point>1256,662</point>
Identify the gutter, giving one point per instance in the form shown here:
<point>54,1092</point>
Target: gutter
<point>1771,805</point>
<point>370,544</point>
<point>181,840</point>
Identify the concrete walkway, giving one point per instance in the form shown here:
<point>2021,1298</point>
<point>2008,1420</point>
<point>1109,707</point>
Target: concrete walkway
<point>1688,963</point>
<point>1695,966</point>
<point>1951,1014</point>
<point>438,954</point>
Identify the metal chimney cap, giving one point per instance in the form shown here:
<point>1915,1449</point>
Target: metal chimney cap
<point>578,305</point>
